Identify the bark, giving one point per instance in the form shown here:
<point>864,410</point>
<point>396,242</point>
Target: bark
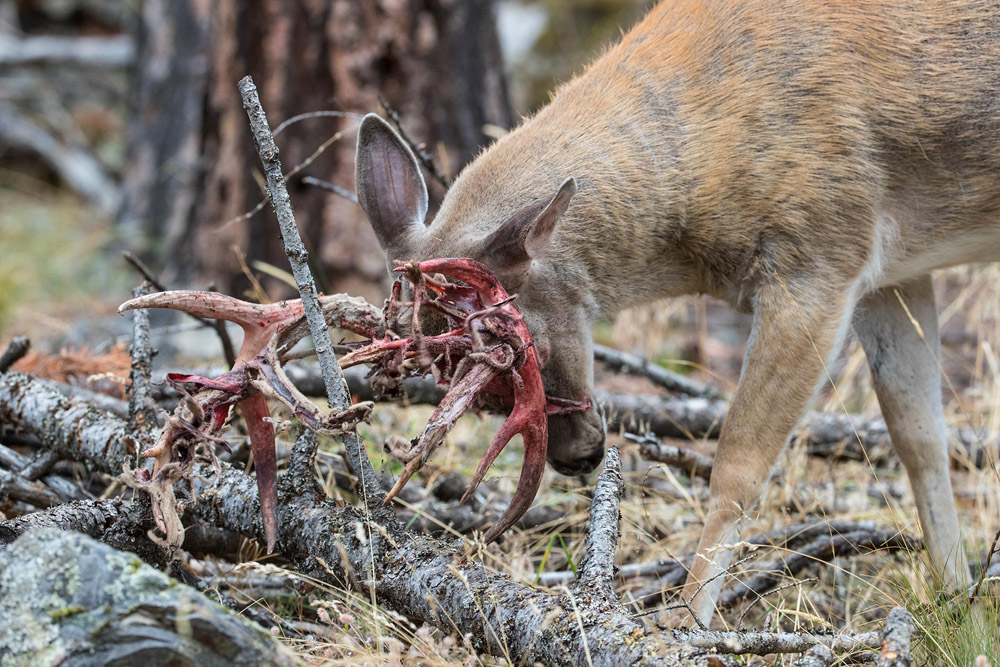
<point>90,517</point>
<point>428,580</point>
<point>817,656</point>
<point>597,569</point>
<point>437,63</point>
<point>67,599</point>
<point>896,637</point>
<point>766,643</point>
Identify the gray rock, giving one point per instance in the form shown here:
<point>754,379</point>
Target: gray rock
<point>67,599</point>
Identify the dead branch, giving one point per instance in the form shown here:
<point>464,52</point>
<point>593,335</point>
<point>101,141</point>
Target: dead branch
<point>817,656</point>
<point>690,461</point>
<point>141,408</point>
<point>331,187</point>
<point>35,469</point>
<point>13,485</point>
<point>336,389</point>
<point>597,569</point>
<point>428,580</point>
<point>17,348</point>
<point>219,326</point>
<point>630,364</point>
<point>822,549</point>
<point>766,643</point>
<point>78,168</point>
<point>90,517</point>
<point>66,598</point>
<point>896,637</point>
<point>51,50</point>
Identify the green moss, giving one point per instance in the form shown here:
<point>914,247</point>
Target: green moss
<point>67,611</point>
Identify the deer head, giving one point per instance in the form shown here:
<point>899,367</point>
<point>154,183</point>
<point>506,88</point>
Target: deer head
<point>515,240</point>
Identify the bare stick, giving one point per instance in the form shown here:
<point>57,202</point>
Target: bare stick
<point>418,150</point>
<point>694,463</point>
<point>986,567</point>
<point>623,362</point>
<point>333,379</point>
<point>141,410</point>
<point>598,566</point>
<point>330,187</point>
<point>16,349</point>
<point>896,637</point>
<point>765,643</point>
<point>218,326</point>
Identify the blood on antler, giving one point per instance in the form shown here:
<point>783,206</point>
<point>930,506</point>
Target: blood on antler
<point>485,351</point>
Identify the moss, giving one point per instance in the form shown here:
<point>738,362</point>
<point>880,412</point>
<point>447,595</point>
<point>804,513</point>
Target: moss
<point>70,610</point>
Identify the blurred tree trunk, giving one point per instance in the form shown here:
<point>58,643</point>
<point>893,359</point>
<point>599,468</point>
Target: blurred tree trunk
<point>193,171</point>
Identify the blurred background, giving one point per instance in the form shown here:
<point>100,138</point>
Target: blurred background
<point>121,129</point>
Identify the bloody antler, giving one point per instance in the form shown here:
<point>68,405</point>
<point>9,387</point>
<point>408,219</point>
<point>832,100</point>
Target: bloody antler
<point>486,349</point>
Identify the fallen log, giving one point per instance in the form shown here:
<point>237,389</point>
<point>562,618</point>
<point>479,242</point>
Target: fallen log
<point>67,599</point>
<point>429,580</point>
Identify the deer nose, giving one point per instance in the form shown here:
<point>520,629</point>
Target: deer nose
<point>576,442</point>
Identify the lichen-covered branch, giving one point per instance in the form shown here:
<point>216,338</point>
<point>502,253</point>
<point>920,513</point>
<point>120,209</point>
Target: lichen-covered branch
<point>623,362</point>
<point>597,569</point>
<point>426,579</point>
<point>896,636</point>
<point>336,389</point>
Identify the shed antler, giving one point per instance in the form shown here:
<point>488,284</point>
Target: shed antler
<point>486,349</point>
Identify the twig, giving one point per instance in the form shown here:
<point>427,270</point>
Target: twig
<point>327,185</point>
<point>986,567</point>
<point>219,326</point>
<point>823,549</point>
<point>117,51</point>
<point>597,569</point>
<point>16,349</point>
<point>694,463</point>
<point>426,579</point>
<point>896,637</point>
<point>623,362</point>
<point>765,643</point>
<point>141,408</point>
<point>336,389</point>
<point>315,114</point>
<point>418,150</point>
<point>739,622</point>
<point>63,487</point>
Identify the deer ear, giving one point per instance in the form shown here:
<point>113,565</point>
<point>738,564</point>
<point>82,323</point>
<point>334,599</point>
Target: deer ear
<point>526,234</point>
<point>391,190</point>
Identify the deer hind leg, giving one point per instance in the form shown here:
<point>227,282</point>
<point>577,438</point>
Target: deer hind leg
<point>791,340</point>
<point>907,377</point>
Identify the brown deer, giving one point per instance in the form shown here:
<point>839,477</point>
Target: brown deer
<point>808,161</point>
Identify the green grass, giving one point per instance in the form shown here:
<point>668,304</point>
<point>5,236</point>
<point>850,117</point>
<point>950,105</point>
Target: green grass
<point>53,263</point>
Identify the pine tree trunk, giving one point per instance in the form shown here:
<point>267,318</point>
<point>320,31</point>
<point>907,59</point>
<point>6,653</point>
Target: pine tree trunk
<point>192,176</point>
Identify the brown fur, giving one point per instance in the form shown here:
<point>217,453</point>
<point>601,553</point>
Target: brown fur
<point>788,156</point>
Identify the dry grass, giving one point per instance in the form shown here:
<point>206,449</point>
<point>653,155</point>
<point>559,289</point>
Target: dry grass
<point>663,510</point>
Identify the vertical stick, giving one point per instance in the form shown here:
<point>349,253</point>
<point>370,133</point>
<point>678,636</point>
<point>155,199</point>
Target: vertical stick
<point>337,394</point>
<point>598,565</point>
<point>140,403</point>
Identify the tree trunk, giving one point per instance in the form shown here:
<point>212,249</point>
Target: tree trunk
<point>191,176</point>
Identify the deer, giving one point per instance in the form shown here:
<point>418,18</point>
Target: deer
<point>810,162</point>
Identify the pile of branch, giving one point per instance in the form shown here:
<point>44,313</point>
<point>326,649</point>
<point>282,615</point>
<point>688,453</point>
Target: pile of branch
<point>430,580</point>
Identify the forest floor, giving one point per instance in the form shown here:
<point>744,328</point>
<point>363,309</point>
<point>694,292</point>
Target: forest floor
<point>72,279</point>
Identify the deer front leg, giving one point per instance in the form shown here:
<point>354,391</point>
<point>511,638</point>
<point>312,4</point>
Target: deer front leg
<point>794,332</point>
